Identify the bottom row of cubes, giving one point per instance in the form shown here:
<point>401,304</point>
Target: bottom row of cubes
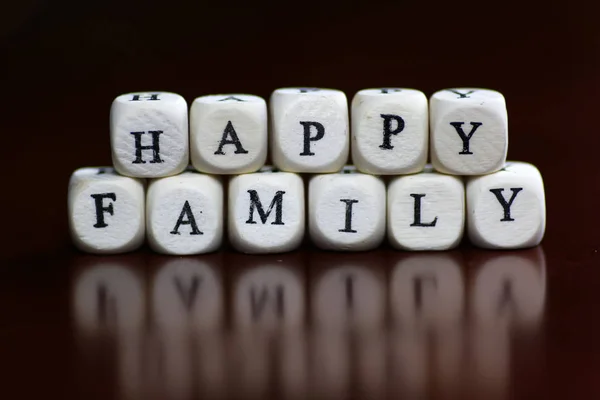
<point>348,211</point>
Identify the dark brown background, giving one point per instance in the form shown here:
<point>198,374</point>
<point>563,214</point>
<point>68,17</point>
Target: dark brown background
<point>64,61</point>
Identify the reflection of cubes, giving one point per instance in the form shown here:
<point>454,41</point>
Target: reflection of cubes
<point>268,292</point>
<point>109,294</point>
<point>185,214</point>
<point>346,210</point>
<point>427,289</point>
<point>508,288</point>
<point>309,129</point>
<point>266,212</point>
<point>348,291</point>
<point>390,131</point>
<point>228,133</point>
<point>426,211</point>
<point>149,134</point>
<point>187,293</point>
<point>106,211</point>
<point>507,209</point>
<point>469,131</point>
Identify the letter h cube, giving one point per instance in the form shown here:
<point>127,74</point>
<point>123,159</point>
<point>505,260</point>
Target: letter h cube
<point>149,134</point>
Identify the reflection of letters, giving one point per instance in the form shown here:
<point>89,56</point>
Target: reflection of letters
<point>108,296</point>
<point>349,296</point>
<point>427,289</point>
<point>188,292</point>
<point>510,288</point>
<point>269,296</point>
<point>260,298</point>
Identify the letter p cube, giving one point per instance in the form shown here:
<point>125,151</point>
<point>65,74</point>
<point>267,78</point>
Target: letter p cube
<point>310,129</point>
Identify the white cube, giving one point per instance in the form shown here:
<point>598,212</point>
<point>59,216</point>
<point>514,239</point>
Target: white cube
<point>507,209</point>
<point>390,131</point>
<point>346,211</point>
<point>149,134</point>
<point>184,214</point>
<point>266,211</point>
<point>228,133</point>
<point>469,131</point>
<point>309,129</point>
<point>426,211</point>
<point>106,211</point>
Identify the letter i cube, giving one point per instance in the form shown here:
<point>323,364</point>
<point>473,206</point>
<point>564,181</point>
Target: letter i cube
<point>346,210</point>
<point>426,211</point>
<point>106,211</point>
<point>309,130</point>
<point>228,133</point>
<point>469,131</point>
<point>390,131</point>
<point>184,213</point>
<point>507,209</point>
<point>266,211</point>
<point>149,134</point>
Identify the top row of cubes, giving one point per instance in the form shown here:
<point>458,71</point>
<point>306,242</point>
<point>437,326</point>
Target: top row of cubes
<point>310,132</point>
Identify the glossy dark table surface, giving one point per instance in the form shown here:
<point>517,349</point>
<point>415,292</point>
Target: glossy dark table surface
<point>465,324</point>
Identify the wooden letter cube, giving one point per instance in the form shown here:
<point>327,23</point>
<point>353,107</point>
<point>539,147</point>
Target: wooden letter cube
<point>184,214</point>
<point>507,209</point>
<point>149,134</point>
<point>469,131</point>
<point>426,211</point>
<point>346,210</point>
<point>390,131</point>
<point>106,211</point>
<point>309,129</point>
<point>266,212</point>
<point>228,133</point>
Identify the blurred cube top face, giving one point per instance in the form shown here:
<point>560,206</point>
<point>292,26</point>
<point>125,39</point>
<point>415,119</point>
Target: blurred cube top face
<point>348,208</point>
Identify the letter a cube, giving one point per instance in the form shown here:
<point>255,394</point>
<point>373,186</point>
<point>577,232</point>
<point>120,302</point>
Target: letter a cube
<point>266,212</point>
<point>507,209</point>
<point>469,131</point>
<point>309,129</point>
<point>390,131</point>
<point>106,211</point>
<point>228,133</point>
<point>149,134</point>
<point>184,214</point>
<point>426,211</point>
<point>346,210</point>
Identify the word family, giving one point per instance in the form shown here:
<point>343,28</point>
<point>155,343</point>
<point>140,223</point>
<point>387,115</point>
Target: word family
<point>184,184</point>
